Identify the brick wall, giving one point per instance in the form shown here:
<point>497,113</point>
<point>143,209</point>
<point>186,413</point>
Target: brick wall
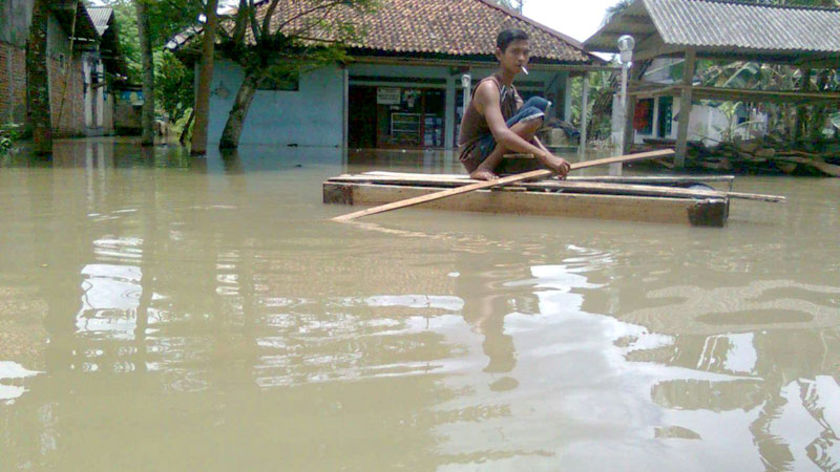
<point>12,83</point>
<point>67,119</point>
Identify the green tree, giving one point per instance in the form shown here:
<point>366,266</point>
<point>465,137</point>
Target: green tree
<point>172,79</point>
<point>37,86</point>
<point>144,31</point>
<point>166,19</point>
<point>205,75</point>
<point>284,46</point>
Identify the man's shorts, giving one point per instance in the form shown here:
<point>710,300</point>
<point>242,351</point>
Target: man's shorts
<point>472,156</point>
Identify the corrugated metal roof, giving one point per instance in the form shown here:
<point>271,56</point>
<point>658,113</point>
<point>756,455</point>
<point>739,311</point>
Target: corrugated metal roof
<point>100,17</point>
<point>717,23</point>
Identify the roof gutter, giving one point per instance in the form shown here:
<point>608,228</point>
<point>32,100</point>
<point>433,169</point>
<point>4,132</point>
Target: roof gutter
<point>454,62</point>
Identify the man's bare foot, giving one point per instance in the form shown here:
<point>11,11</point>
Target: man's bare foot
<point>483,174</point>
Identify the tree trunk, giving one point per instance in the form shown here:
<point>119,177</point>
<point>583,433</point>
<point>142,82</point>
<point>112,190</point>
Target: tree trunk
<point>233,127</point>
<point>205,75</point>
<point>147,120</point>
<point>37,80</point>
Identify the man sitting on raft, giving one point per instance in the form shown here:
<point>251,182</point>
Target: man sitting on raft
<point>496,121</point>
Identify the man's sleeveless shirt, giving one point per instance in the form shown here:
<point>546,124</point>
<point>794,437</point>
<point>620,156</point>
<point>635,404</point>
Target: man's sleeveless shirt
<point>474,125</point>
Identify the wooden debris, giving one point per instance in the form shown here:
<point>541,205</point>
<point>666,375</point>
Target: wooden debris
<point>760,156</point>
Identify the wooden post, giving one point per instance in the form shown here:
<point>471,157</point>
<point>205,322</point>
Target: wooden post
<point>584,99</point>
<point>685,107</point>
<point>630,110</point>
<point>801,124</point>
<point>345,119</point>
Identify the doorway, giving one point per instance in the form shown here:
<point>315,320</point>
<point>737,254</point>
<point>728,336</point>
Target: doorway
<point>390,117</point>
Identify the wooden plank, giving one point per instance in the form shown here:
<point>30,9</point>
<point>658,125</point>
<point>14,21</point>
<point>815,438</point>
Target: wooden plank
<point>629,179</point>
<point>739,94</point>
<point>708,212</point>
<point>536,174</point>
<point>565,186</point>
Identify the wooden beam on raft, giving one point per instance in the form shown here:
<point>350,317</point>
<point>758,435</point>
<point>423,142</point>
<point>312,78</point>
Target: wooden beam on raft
<point>696,212</point>
<point>463,179</point>
<point>536,174</point>
<point>685,107</point>
<point>618,186</point>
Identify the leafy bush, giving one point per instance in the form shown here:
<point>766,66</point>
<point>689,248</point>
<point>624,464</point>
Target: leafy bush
<point>8,135</point>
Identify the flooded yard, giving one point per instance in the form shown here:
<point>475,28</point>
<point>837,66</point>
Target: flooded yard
<point>160,312</point>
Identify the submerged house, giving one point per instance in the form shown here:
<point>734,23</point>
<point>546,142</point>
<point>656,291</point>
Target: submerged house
<point>806,38</point>
<point>104,70</point>
<point>81,53</point>
<point>407,80</point>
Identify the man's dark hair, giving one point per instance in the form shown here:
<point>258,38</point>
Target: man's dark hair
<point>508,36</point>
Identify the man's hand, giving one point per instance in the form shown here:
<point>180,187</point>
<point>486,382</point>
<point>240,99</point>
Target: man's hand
<point>556,164</point>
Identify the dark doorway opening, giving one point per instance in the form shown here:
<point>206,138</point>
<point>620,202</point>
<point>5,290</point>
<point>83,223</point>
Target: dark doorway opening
<point>396,117</point>
<point>362,117</point>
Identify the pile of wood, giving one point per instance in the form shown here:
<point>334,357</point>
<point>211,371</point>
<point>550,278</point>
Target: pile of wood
<point>765,156</point>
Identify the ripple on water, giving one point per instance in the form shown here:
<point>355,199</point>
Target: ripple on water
<point>12,371</point>
<point>758,303</point>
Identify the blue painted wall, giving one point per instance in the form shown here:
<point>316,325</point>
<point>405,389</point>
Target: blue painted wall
<point>310,116</point>
<point>314,115</point>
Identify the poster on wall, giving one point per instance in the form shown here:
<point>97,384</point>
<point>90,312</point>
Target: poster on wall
<point>387,95</point>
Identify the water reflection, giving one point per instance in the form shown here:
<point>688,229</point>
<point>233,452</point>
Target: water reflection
<point>210,302</point>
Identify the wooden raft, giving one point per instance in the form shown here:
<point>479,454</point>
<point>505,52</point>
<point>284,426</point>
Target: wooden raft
<point>649,199</point>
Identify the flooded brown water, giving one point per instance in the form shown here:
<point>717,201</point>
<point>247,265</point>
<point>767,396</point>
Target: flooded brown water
<point>165,313</point>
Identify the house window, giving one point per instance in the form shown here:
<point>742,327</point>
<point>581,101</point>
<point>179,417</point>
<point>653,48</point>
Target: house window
<point>282,81</point>
<point>643,116</point>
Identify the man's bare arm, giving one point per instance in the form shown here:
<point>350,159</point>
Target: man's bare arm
<point>566,166</point>
<point>487,103</point>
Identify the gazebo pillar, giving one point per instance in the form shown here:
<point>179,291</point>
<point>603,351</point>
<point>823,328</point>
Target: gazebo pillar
<point>630,109</point>
<point>584,118</point>
<point>801,111</point>
<point>685,107</point>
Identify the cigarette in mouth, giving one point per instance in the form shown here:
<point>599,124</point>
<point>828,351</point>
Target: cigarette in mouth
<point>524,70</point>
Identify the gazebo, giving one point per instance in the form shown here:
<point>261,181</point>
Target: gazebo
<point>802,37</point>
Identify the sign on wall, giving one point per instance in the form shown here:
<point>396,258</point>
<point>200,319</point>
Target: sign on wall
<point>387,95</point>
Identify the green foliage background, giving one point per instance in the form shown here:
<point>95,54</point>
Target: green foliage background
<point>173,80</point>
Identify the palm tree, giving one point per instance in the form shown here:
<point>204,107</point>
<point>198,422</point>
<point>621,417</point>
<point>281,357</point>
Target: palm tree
<point>614,10</point>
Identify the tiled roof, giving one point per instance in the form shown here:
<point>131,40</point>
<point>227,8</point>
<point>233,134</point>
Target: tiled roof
<point>717,24</point>
<point>100,17</point>
<point>437,27</point>
<point>80,24</point>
